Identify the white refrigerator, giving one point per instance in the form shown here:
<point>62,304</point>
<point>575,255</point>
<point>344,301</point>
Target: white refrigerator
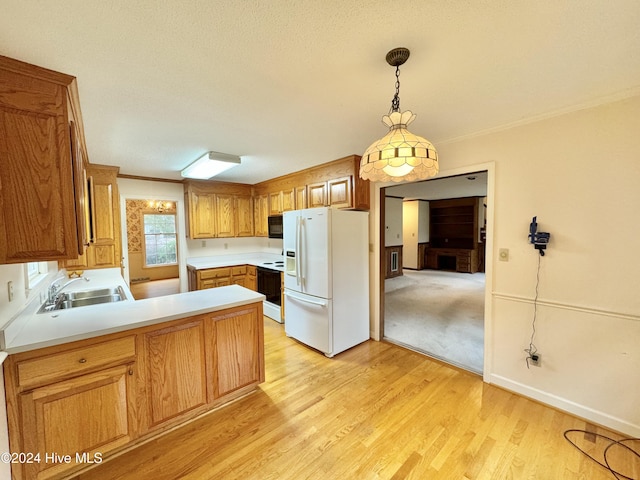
<point>326,278</point>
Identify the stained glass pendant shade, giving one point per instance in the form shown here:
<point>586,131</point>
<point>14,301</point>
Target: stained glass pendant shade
<point>399,155</point>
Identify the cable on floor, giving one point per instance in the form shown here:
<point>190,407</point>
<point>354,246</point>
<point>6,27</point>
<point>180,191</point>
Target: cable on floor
<point>532,350</point>
<point>616,474</point>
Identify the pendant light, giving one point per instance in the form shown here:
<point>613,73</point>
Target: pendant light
<point>399,155</point>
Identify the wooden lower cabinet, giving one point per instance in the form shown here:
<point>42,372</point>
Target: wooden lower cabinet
<point>89,415</point>
<point>243,275</point>
<point>236,337</point>
<point>251,281</point>
<point>461,260</point>
<point>174,371</point>
<point>91,399</point>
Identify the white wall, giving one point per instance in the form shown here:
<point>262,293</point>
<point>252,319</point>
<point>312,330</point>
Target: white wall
<point>415,229</point>
<point>393,222</point>
<point>580,174</point>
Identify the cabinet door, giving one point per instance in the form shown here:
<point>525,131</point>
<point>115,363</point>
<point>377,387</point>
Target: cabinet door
<point>244,216</point>
<point>225,219</point>
<point>261,212</point>
<point>340,192</point>
<point>275,203</point>
<point>317,194</point>
<point>201,215</point>
<point>105,251</point>
<point>91,413</point>
<point>301,197</point>
<point>251,279</point>
<point>288,200</point>
<point>83,219</point>
<point>237,358</point>
<point>174,372</point>
<point>37,203</point>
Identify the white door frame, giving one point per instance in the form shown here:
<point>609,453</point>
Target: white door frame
<point>376,286</point>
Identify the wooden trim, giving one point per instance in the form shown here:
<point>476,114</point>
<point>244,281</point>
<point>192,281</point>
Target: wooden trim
<point>35,71</point>
<point>149,179</point>
<point>382,270</point>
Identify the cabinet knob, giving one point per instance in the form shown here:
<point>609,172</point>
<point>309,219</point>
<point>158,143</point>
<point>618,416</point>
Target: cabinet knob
<point>82,360</point>
<point>131,371</point>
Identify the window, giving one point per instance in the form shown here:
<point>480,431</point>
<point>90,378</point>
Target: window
<point>160,240</point>
<point>34,272</point>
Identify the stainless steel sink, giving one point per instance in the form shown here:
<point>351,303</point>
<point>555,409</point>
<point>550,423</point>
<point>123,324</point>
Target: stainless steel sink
<point>102,292</point>
<point>84,298</point>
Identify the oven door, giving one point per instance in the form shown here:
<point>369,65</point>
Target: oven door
<point>269,285</point>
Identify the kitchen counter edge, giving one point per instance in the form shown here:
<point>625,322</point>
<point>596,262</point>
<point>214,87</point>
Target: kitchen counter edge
<point>45,330</point>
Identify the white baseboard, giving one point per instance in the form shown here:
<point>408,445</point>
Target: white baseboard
<point>595,416</point>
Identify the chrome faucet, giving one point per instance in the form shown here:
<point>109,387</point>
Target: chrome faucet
<point>55,288</point>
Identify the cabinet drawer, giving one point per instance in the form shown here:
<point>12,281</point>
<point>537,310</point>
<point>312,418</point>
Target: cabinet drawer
<point>241,270</point>
<point>50,368</point>
<point>215,273</point>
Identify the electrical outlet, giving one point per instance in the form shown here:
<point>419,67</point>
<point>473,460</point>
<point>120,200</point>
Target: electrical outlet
<point>10,290</point>
<point>535,360</point>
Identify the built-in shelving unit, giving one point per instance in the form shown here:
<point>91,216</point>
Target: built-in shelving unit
<point>453,235</point>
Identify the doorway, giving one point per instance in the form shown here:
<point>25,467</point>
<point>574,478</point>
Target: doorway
<point>150,267</point>
<point>436,303</point>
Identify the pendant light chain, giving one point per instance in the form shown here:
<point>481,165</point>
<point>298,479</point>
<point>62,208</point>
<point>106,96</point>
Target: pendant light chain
<point>395,103</point>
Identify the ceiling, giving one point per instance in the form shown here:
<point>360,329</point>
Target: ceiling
<point>291,84</point>
<point>467,185</point>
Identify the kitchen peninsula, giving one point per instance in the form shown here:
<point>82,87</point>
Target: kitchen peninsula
<point>102,378</point>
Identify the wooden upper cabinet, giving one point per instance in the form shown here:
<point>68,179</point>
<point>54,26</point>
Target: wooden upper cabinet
<point>38,218</point>
<point>201,207</point>
<point>106,249</point>
<point>275,203</point>
<point>301,197</point>
<point>317,194</point>
<point>339,192</point>
<point>218,209</point>
<point>260,215</point>
<point>103,218</point>
<point>244,216</point>
<point>288,200</point>
<point>335,184</point>
<point>225,216</point>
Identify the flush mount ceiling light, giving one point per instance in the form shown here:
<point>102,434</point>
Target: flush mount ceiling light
<point>210,165</point>
<point>399,155</point>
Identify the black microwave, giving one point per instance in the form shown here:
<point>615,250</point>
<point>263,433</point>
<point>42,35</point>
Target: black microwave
<point>275,226</point>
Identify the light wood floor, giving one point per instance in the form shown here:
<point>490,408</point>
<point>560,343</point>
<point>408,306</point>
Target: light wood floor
<point>377,411</point>
<point>155,288</point>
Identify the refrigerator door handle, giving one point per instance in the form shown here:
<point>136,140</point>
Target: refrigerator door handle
<point>297,250</point>
<point>322,303</point>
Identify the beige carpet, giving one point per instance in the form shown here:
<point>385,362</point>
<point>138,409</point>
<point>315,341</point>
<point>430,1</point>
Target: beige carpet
<point>439,313</point>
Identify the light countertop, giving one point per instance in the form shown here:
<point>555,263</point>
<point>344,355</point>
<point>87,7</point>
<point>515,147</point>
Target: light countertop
<point>32,330</point>
<point>257,259</point>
